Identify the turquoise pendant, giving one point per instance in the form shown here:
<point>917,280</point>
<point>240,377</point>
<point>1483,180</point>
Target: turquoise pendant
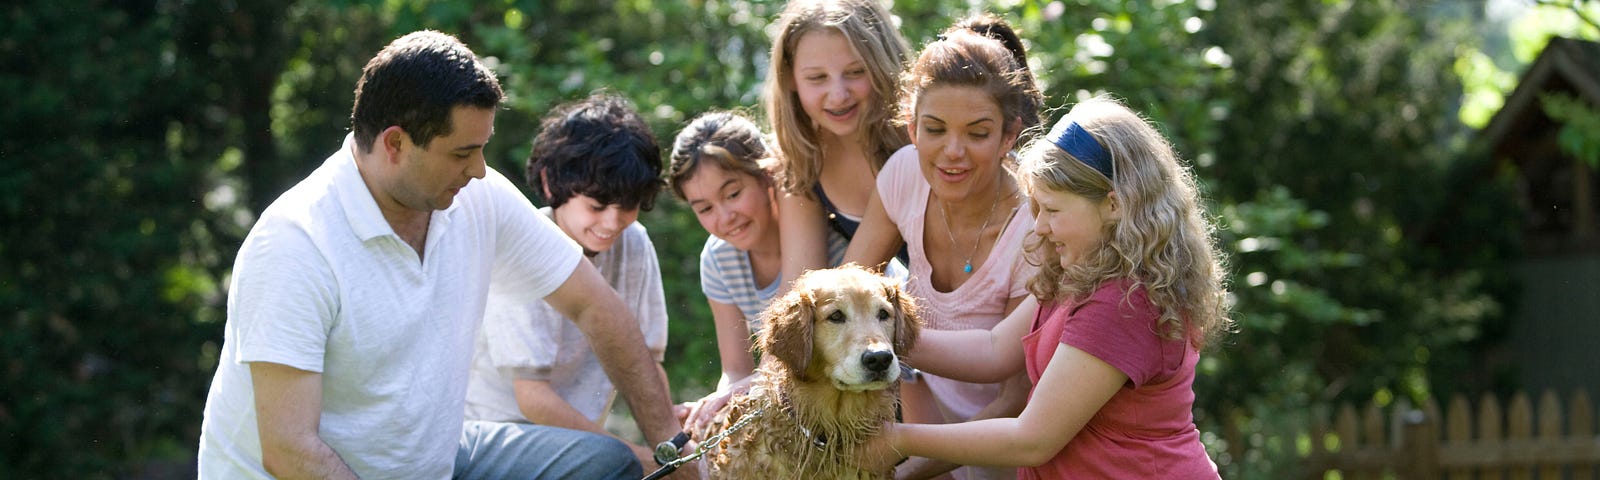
<point>967,268</point>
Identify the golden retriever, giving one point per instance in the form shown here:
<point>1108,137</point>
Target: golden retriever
<point>828,383</point>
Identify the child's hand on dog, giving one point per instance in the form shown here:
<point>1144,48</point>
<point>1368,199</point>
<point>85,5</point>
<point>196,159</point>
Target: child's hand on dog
<point>704,411</point>
<point>878,453</point>
<point>683,410</point>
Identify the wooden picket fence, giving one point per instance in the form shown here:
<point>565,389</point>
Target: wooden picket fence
<point>1519,442</point>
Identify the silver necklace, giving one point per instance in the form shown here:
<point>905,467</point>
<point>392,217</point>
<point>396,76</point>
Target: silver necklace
<point>976,239</point>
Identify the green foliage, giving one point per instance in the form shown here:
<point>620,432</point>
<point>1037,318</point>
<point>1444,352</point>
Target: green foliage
<point>1488,80</point>
<point>1368,245</point>
<point>1549,18</point>
<point>109,260</point>
<point>1580,129</point>
<point>1485,87</point>
<point>1336,158</point>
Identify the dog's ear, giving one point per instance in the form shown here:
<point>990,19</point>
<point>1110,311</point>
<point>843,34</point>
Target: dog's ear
<point>907,323</point>
<point>786,330</point>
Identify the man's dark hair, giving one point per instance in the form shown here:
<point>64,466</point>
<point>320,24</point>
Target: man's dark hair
<point>598,147</point>
<point>415,82</point>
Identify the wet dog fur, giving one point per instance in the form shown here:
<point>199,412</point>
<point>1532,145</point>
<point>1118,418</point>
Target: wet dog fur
<point>829,379</point>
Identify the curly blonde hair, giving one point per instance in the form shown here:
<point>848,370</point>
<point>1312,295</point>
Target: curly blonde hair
<point>868,26</point>
<point>1161,240</point>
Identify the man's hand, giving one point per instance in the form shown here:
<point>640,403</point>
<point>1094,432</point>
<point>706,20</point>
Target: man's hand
<point>687,471</point>
<point>646,457</point>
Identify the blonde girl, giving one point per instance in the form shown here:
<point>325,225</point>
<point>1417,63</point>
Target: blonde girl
<point>1128,293</point>
<point>830,97</point>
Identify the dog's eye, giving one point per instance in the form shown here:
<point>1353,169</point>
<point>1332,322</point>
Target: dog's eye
<point>883,314</point>
<point>836,317</point>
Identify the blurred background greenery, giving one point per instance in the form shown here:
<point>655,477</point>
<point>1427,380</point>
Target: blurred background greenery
<point>1335,141</point>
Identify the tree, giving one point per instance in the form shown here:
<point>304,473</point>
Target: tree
<point>1488,83</point>
<point>1367,259</point>
<point>110,255</point>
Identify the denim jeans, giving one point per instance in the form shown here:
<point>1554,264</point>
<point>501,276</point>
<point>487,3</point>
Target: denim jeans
<point>495,450</point>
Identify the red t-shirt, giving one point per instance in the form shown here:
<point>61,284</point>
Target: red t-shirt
<point>1147,429</point>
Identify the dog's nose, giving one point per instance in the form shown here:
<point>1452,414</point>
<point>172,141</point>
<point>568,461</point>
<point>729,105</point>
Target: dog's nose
<point>877,360</point>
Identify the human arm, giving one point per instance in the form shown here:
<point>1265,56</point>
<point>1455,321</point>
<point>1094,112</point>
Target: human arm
<point>876,240</point>
<point>733,340</point>
<point>733,345</point>
<point>1010,401</point>
<point>804,243</point>
<point>540,403</point>
<point>288,415</point>
<point>283,300</point>
<point>615,338</point>
<point>1073,387</point>
<point>979,356</point>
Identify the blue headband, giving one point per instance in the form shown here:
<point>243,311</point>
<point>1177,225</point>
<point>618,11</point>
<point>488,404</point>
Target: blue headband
<point>1076,141</point>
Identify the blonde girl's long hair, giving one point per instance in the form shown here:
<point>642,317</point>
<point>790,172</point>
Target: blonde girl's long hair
<point>1161,239</point>
<point>868,27</point>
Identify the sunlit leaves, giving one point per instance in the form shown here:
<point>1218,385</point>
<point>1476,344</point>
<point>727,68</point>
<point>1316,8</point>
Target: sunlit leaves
<point>1580,129</point>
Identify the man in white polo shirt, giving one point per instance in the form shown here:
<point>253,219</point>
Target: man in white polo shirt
<point>356,297</point>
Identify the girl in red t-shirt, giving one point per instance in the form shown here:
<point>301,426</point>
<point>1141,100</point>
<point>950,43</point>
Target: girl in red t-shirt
<point>1128,291</point>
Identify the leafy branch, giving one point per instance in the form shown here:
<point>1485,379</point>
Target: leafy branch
<point>1580,132</point>
<point>1577,7</point>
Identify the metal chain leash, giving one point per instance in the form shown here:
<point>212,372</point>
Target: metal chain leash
<point>701,449</point>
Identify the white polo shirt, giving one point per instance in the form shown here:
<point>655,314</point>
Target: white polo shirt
<point>322,283</point>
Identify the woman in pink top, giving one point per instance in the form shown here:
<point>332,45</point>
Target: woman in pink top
<point>949,199</point>
<point>1128,292</point>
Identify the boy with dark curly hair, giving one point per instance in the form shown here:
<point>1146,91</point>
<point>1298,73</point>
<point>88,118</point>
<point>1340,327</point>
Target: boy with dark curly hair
<point>596,165</point>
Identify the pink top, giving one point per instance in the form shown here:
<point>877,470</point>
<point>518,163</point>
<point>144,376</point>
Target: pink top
<point>1147,429</point>
<point>977,304</point>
